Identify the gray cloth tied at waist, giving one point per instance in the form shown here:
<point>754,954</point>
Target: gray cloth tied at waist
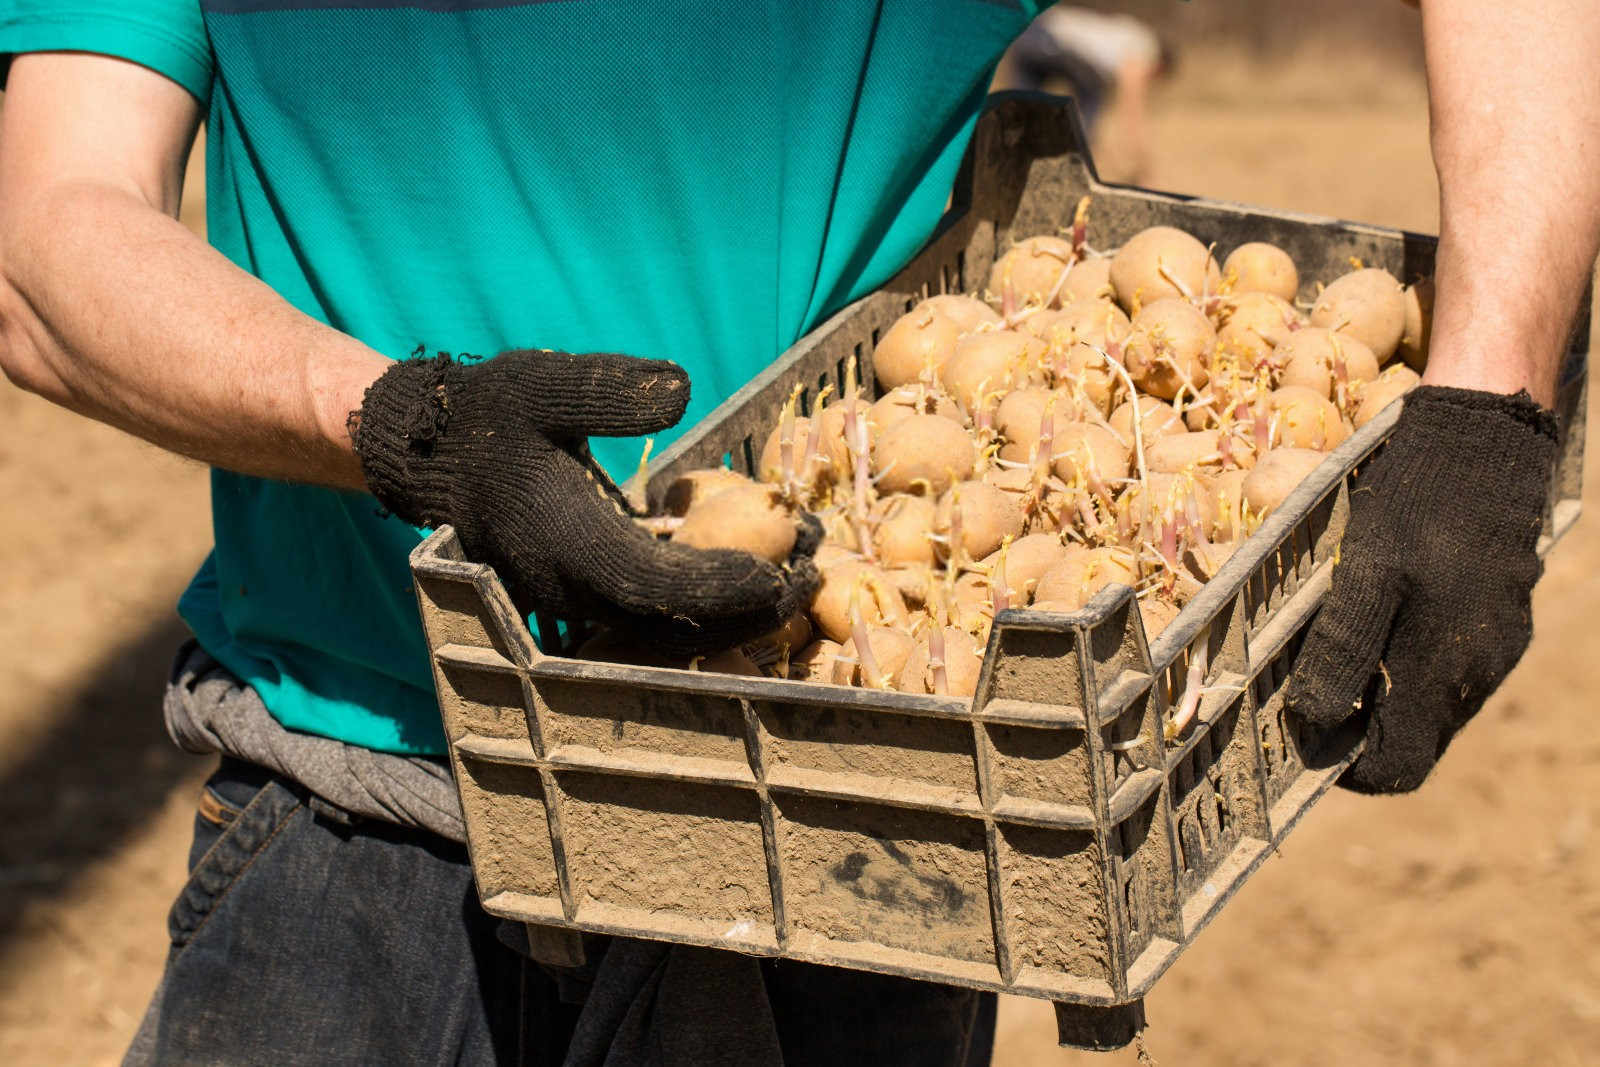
<point>208,710</point>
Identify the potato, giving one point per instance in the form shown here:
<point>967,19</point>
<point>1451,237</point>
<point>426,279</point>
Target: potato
<point>1026,560</point>
<point>967,312</point>
<point>1310,357</point>
<point>1259,267</point>
<point>911,582</point>
<point>830,605</point>
<point>914,348</point>
<point>792,635</point>
<point>1020,418</point>
<point>1369,305</point>
<point>694,486</point>
<point>889,651</point>
<point>963,660</point>
<point>992,362</point>
<point>1031,270</point>
<point>1170,344</point>
<point>1392,384</point>
<point>815,662</point>
<point>1275,476</point>
<point>923,448</point>
<point>1204,560</point>
<point>1083,365</point>
<point>1148,505</point>
<point>912,399</point>
<point>1254,324</point>
<point>1089,279</point>
<point>1177,452</point>
<point>729,661</point>
<point>1085,451</point>
<point>1157,615</point>
<point>1082,575</point>
<point>1155,420</point>
<point>830,462</point>
<point>750,518</point>
<point>1419,325</point>
<point>902,535</point>
<point>988,516</point>
<point>1162,262</point>
<point>1093,322</point>
<point>1306,419</point>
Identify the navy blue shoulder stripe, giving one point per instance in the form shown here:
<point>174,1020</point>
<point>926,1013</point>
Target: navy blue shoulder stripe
<point>247,7</point>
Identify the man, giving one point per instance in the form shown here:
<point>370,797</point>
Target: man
<point>1096,56</point>
<point>700,182</point>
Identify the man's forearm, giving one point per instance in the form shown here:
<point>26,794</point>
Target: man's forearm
<point>1516,139</point>
<point>111,307</point>
<point>120,313</point>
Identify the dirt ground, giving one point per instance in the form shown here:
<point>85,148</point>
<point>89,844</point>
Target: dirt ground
<point>1455,926</point>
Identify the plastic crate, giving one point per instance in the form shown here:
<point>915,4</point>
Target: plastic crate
<point>1043,838</point>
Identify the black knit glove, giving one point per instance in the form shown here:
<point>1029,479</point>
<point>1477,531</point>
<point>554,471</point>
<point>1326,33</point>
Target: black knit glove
<point>1430,604</point>
<point>497,448</point>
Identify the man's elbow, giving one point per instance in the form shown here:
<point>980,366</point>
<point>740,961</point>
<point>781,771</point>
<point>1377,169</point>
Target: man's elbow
<point>21,359</point>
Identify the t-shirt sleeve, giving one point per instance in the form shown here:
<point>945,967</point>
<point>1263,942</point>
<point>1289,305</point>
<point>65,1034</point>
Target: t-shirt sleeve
<point>168,36</point>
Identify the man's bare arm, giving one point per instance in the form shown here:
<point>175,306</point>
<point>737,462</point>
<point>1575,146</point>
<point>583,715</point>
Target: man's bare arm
<point>1516,140</point>
<point>112,308</point>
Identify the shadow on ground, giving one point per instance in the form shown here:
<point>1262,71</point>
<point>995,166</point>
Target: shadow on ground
<point>92,780</point>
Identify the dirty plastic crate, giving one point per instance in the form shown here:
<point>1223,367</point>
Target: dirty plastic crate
<point>1043,838</point>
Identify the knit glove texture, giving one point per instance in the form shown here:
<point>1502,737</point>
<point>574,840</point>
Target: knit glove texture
<point>1430,606</point>
<point>498,449</point>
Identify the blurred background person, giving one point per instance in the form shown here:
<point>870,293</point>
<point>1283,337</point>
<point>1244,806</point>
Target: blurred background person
<point>1099,58</point>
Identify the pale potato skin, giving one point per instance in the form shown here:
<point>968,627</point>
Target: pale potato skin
<point>1367,304</point>
<point>967,312</point>
<point>1094,322</point>
<point>1259,267</point>
<point>901,538</point>
<point>815,662</point>
<point>927,448</point>
<point>749,518</point>
<point>890,650</point>
<point>1157,615</point>
<point>1391,385</point>
<point>963,661</point>
<point>1081,576</point>
<point>1032,267</point>
<point>1089,279</point>
<point>1255,324</point>
<point>910,400</point>
<point>1156,418</point>
<point>1308,358</point>
<point>830,605</point>
<point>1307,419</point>
<point>1168,332</point>
<point>1026,561</point>
<point>1275,476</point>
<point>694,486</point>
<point>1135,273</point>
<point>991,362</point>
<point>988,516</point>
<point>1176,452</point>
<point>1419,325</point>
<point>916,346</point>
<point>1083,449</point>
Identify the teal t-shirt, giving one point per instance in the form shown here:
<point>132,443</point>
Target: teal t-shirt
<point>700,181</point>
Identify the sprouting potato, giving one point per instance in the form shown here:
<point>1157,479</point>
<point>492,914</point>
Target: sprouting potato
<point>1367,304</point>
<point>1259,267</point>
<point>1163,262</point>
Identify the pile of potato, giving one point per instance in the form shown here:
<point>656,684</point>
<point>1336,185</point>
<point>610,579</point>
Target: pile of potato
<point>1093,419</point>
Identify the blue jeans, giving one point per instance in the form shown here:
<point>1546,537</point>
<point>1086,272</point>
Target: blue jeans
<point>306,937</point>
